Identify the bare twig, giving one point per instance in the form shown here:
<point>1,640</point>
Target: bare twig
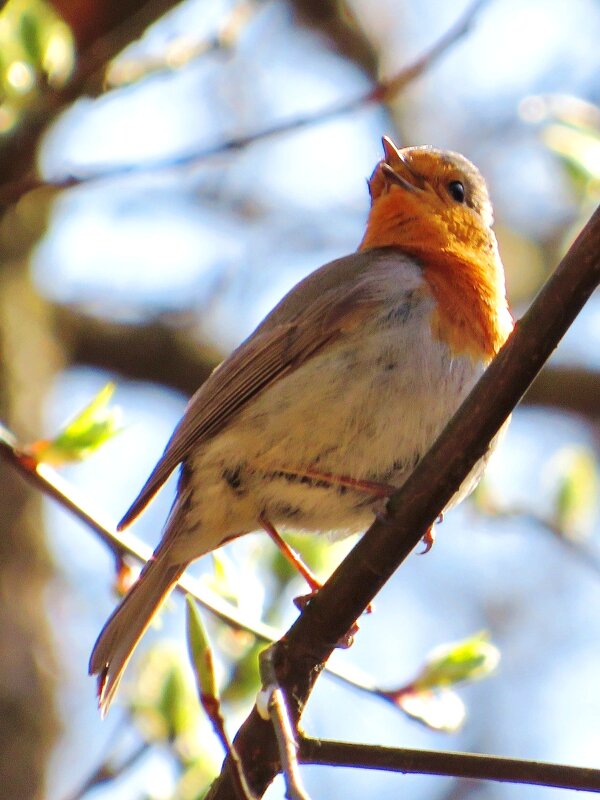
<point>391,88</point>
<point>287,745</point>
<point>382,92</point>
<point>456,765</point>
<point>285,733</point>
<point>578,549</point>
<point>109,769</point>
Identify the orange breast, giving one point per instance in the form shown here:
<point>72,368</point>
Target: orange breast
<point>471,315</point>
<point>459,257</point>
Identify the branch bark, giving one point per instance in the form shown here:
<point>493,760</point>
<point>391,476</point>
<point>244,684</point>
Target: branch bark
<point>456,765</point>
<point>300,655</point>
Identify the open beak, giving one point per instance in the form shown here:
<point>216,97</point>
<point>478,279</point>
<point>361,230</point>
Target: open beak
<point>401,173</point>
<point>392,176</point>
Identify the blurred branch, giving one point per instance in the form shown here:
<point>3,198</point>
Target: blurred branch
<point>153,351</point>
<point>183,50</point>
<point>301,654</point>
<point>569,388</point>
<point>577,548</point>
<point>334,20</point>
<point>456,765</point>
<point>172,356</point>
<point>101,30</point>
<point>385,91</point>
<point>109,770</point>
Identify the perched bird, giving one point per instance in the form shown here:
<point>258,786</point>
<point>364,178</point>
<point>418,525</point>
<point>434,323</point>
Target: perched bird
<point>328,406</point>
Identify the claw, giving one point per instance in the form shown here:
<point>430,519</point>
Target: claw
<point>428,541</point>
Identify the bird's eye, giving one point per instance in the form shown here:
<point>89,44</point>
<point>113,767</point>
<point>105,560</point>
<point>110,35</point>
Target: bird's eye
<point>457,191</point>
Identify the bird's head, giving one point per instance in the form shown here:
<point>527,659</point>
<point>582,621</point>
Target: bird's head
<point>424,198</point>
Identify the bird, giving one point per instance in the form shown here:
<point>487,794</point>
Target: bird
<point>328,406</point>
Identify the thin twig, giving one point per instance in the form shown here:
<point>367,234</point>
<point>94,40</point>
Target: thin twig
<point>287,745</point>
<point>285,734</point>
<point>456,765</point>
<point>108,771</point>
<point>50,483</point>
<point>384,91</point>
<point>578,549</point>
<point>212,708</point>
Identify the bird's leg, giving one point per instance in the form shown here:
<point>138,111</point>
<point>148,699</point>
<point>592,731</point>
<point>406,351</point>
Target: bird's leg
<point>294,559</point>
<point>292,556</point>
<point>315,584</point>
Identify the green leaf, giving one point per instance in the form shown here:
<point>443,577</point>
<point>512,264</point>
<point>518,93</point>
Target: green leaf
<point>30,37</point>
<point>576,497</point>
<point>200,651</point>
<point>471,659</point>
<point>84,434</point>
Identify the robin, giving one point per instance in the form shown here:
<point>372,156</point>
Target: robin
<point>327,407</point>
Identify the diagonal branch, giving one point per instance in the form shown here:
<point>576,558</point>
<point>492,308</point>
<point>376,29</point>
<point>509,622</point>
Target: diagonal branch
<point>302,653</point>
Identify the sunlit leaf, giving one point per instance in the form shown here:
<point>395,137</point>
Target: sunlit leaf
<point>36,48</point>
<point>429,699</point>
<point>440,711</point>
<point>30,36</point>
<point>576,498</point>
<point>91,428</point>
<point>471,659</point>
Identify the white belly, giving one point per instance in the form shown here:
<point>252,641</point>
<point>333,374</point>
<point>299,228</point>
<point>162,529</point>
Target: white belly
<point>366,409</point>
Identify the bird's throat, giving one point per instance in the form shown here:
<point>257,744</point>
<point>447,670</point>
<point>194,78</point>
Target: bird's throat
<point>463,271</point>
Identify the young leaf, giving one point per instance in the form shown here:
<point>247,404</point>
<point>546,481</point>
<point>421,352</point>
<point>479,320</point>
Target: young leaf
<point>447,665</point>
<point>85,433</point>
<point>200,652</point>
<point>428,697</point>
<point>577,494</point>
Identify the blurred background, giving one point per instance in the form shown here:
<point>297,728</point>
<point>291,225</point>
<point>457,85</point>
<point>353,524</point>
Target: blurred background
<point>148,225</point>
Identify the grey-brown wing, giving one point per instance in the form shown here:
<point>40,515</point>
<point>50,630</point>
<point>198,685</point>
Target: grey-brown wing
<point>297,328</point>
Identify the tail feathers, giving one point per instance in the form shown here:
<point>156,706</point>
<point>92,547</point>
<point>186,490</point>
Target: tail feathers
<point>128,623</point>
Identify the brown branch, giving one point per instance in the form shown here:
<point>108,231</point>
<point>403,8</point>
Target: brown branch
<point>10,191</point>
<point>569,388</point>
<point>153,351</point>
<point>456,765</point>
<point>300,656</point>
